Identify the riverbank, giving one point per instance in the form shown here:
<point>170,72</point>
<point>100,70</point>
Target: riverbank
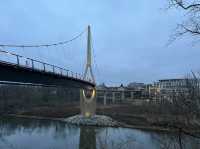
<point>33,133</point>
<point>121,113</point>
<point>121,124</point>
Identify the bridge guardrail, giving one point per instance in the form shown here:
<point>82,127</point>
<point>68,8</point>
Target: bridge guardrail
<point>46,67</point>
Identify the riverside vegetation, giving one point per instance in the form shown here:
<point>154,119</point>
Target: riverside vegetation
<point>181,114</point>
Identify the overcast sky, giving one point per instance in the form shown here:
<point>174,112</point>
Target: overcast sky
<point>129,37</point>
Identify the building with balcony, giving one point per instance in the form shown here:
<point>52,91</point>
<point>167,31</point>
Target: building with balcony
<point>173,87</point>
<point>120,94</point>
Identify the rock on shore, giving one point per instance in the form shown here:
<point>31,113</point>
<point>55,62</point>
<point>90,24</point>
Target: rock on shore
<point>97,120</point>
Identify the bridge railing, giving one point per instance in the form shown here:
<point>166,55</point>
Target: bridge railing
<point>12,58</point>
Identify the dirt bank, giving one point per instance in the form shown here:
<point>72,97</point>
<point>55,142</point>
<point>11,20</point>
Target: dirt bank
<point>125,114</point>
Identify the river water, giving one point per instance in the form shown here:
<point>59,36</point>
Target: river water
<point>18,133</point>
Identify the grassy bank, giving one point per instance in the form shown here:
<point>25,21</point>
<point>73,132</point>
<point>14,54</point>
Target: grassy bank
<point>127,115</point>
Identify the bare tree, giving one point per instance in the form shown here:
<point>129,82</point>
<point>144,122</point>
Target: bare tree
<point>191,22</point>
<point>187,102</point>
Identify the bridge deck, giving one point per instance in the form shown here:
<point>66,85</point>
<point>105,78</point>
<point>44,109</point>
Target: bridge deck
<point>16,73</point>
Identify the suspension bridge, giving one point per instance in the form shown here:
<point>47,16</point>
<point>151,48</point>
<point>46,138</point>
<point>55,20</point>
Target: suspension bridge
<point>23,70</point>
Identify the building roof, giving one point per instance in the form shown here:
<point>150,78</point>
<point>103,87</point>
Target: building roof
<point>162,80</point>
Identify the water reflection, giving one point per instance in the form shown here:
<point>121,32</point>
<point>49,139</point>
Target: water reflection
<point>175,141</point>
<point>87,138</point>
<point>42,134</point>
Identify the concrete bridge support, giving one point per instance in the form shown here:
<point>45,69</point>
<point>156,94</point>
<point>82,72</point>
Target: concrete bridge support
<point>88,102</point>
<point>88,96</point>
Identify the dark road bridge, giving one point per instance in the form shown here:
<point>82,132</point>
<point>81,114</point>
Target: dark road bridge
<point>28,71</point>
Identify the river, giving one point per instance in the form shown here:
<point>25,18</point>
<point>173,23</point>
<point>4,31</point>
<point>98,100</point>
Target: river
<point>18,133</point>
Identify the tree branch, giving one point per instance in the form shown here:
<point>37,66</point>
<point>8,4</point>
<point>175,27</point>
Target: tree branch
<point>181,4</point>
<point>194,31</point>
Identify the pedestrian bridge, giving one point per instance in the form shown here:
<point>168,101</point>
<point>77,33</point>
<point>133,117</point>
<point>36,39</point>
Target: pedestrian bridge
<point>18,69</point>
<point>39,73</point>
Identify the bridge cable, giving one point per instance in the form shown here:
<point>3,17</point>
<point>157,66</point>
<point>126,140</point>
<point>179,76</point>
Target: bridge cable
<point>94,58</point>
<point>44,45</point>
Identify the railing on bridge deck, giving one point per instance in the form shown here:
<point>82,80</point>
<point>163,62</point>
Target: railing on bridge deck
<point>22,61</point>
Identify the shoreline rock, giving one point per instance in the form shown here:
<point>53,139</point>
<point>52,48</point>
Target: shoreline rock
<point>97,120</point>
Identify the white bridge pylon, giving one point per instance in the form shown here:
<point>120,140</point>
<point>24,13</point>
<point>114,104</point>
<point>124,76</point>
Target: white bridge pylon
<point>88,97</point>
